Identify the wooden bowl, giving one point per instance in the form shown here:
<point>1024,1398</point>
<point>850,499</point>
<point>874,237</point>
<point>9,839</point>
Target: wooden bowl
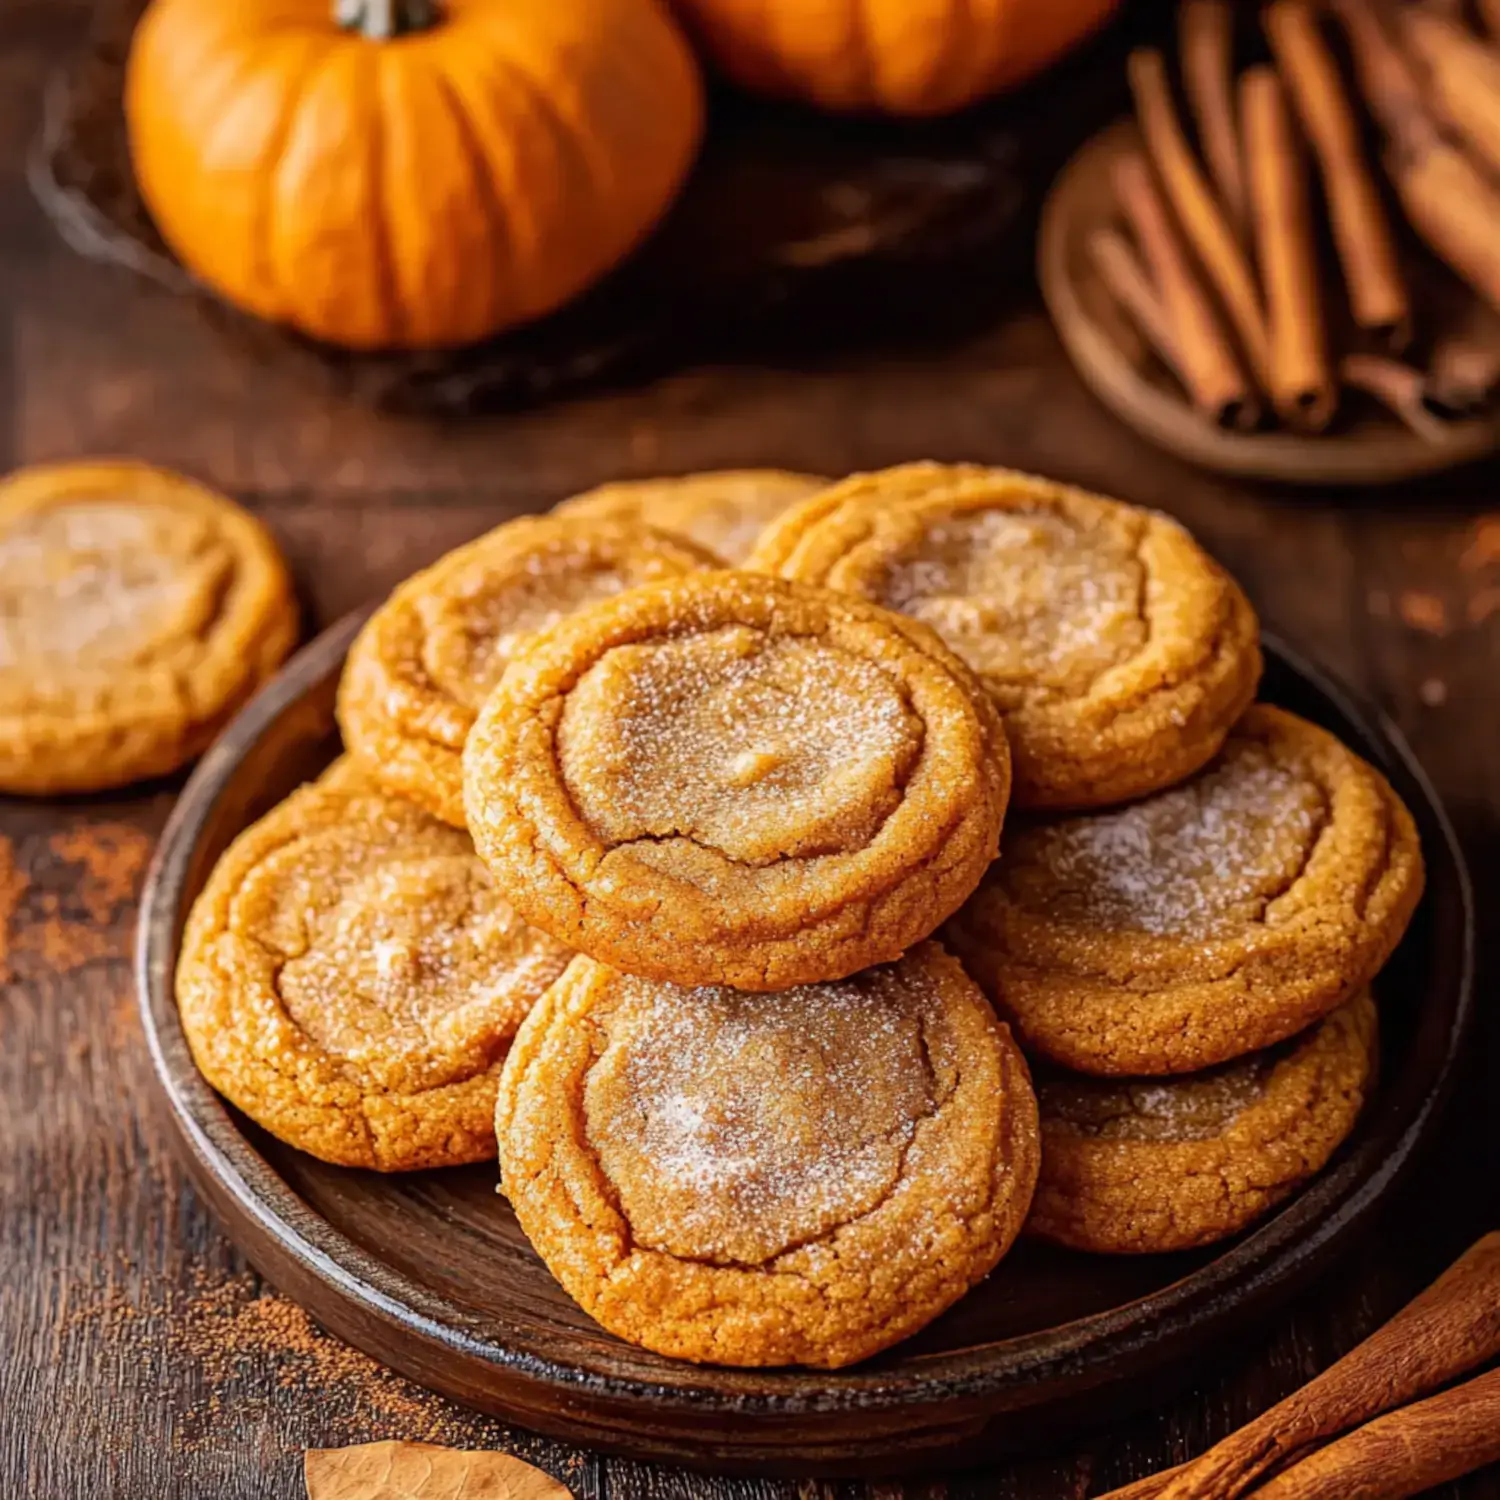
<point>1371,446</point>
<point>429,1272</point>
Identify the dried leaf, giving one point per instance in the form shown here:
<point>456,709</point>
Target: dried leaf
<point>422,1471</point>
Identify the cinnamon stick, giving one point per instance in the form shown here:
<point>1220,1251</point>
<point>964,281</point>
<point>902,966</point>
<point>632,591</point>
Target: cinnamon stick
<point>1448,200</point>
<point>1204,361</point>
<point>1448,1330</point>
<point>1489,13</point>
<point>1129,283</point>
<point>1402,389</point>
<point>1361,234</point>
<point>1462,76</point>
<point>1206,46</point>
<point>1301,382</point>
<point>1198,211</point>
<point>1102,308</point>
<point>1405,1452</point>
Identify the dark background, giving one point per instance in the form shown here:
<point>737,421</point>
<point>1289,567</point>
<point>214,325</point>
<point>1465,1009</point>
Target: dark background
<point>138,1355</point>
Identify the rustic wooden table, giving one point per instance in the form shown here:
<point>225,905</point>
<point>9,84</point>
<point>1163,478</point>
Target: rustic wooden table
<point>141,1358</point>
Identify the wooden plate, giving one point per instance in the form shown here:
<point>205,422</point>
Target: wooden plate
<point>429,1272</point>
<point>1369,446</point>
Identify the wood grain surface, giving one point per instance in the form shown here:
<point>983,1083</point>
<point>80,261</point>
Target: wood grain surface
<point>140,1358</point>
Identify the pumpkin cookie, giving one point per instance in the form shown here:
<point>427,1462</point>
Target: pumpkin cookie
<point>1146,1165</point>
<point>138,612</point>
<point>728,779</point>
<point>350,978</point>
<point>1204,922</point>
<point>1116,650</point>
<point>721,512</point>
<point>753,1179</point>
<point>430,655</point>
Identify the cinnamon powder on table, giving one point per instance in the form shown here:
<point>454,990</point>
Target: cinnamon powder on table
<point>112,857</point>
<point>13,885</point>
<point>239,1347</point>
<point>103,864</point>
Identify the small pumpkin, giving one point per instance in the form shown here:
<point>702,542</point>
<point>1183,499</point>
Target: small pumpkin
<point>392,173</point>
<point>902,57</point>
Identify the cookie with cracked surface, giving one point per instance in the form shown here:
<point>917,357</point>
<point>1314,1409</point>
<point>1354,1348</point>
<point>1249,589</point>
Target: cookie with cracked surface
<point>731,779</point>
<point>429,656</point>
<point>768,1179</point>
<point>722,511</point>
<point>1117,651</point>
<point>1204,922</point>
<point>350,978</point>
<point>138,612</point>
<point>1143,1165</point>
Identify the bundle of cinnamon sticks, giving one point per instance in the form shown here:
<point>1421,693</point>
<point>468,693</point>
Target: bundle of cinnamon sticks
<point>1397,1415</point>
<point>1215,253</point>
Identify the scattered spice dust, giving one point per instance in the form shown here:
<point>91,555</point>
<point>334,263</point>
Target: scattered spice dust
<point>94,872</point>
<point>12,887</point>
<point>222,1332</point>
<point>61,945</point>
<point>112,856</point>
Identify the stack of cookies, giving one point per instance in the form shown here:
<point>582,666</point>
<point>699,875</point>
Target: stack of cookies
<point>650,813</point>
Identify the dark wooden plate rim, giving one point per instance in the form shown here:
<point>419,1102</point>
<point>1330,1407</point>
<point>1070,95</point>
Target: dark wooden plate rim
<point>1327,1211</point>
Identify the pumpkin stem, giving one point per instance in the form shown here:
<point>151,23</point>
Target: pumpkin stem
<point>380,20</point>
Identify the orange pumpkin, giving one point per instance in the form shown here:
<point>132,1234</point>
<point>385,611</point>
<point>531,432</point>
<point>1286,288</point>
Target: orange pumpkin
<point>903,57</point>
<point>386,173</point>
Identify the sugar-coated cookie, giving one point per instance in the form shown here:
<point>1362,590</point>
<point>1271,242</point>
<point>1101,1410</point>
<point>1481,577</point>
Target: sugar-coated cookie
<point>429,656</point>
<point>1117,651</point>
<point>350,978</point>
<point>1204,922</point>
<point>1142,1165</point>
<point>768,1179</point>
<point>723,511</point>
<point>731,779</point>
<point>138,612</point>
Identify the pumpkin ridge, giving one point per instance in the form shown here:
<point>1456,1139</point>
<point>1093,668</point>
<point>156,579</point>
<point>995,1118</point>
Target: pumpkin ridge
<point>950,68</point>
<point>382,252</point>
<point>491,208</point>
<point>261,238</point>
<point>423,192</point>
<point>291,120</point>
<point>563,124</point>
<point>996,24</point>
<point>859,45</point>
<point>565,152</point>
<point>212,73</point>
<point>564,132</point>
<point>916,58</point>
<point>559,107</point>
